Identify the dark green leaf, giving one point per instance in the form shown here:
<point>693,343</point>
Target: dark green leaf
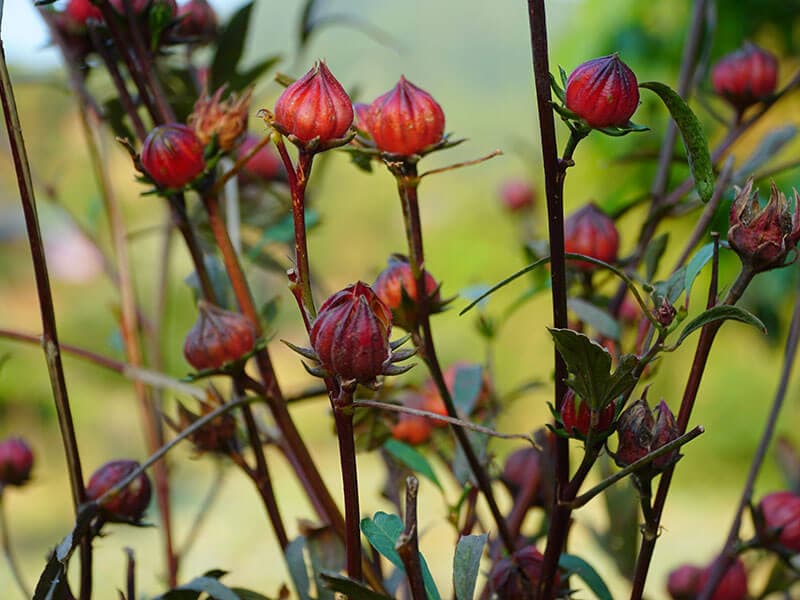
<point>118,118</point>
<point>596,317</point>
<point>589,366</point>
<point>670,289</point>
<point>298,570</point>
<point>219,281</point>
<point>694,139</point>
<point>200,585</point>
<point>696,264</point>
<point>230,46</point>
<point>719,313</point>
<point>578,566</point>
<point>327,553</point>
<point>361,159</point>
<point>460,466</point>
<point>466,562</point>
<point>411,458</point>
<point>349,587</point>
<point>653,253</point>
<point>467,387</point>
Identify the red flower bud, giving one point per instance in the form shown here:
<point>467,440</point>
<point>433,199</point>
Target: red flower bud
<point>590,232</point>
<point>763,237</point>
<point>128,504</point>
<point>218,337</point>
<point>395,281</point>
<point>518,577</point>
<point>781,512</point>
<point>745,76</point>
<point>16,462</point>
<point>683,582</point>
<point>577,416</point>
<point>521,467</point>
<point>641,431</point>
<point>517,195</point>
<point>732,586</point>
<point>665,313</point>
<point>82,10</point>
<point>197,19</point>
<point>351,334</point>
<point>665,431</point>
<point>264,165</point>
<point>223,120</point>
<point>172,155</point>
<point>405,120</point>
<point>603,92</point>
<point>314,106</point>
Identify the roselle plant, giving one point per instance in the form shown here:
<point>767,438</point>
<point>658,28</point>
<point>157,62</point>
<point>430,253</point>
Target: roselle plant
<point>243,201</point>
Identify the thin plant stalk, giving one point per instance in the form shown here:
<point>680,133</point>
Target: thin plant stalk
<point>728,552</point>
<point>343,417</point>
<point>50,342</point>
<point>8,550</point>
<point>407,545</point>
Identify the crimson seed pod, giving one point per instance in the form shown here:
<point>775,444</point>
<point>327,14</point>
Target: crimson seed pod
<point>732,586</point>
<point>172,155</point>
<point>781,512</point>
<point>517,195</point>
<point>518,576</point>
<point>264,165</point>
<point>683,582</point>
<point>197,19</point>
<point>640,433</point>
<point>128,504</point>
<point>351,334</point>
<point>745,76</point>
<point>405,120</point>
<point>665,431</point>
<point>590,232</point>
<point>763,237</point>
<point>81,11</point>
<point>577,416</point>
<point>314,106</point>
<point>603,92</point>
<point>16,462</point>
<point>397,280</point>
<point>218,337</point>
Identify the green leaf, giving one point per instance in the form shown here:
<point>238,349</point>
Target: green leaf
<point>467,387</point>
<point>719,313</point>
<point>361,159</point>
<point>382,531</point>
<point>349,587</point>
<point>592,315</point>
<point>466,562</point>
<point>653,253</point>
<point>219,282</point>
<point>230,46</point>
<point>327,553</point>
<point>306,23</point>
<point>197,586</point>
<point>589,366</point>
<point>670,289</point>
<point>460,466</point>
<point>694,139</point>
<point>298,570</point>
<point>412,458</point>
<point>578,566</point>
<point>696,264</point>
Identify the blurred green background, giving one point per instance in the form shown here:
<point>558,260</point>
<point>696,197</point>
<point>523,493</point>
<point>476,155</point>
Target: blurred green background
<point>474,58</point>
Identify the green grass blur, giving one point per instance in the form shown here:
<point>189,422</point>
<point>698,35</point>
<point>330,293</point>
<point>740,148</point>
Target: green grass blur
<point>474,57</point>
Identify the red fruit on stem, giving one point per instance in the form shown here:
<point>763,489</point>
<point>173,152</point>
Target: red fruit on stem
<point>389,286</point>
<point>518,576</point>
<point>351,334</point>
<point>603,92</point>
<point>781,511</point>
<point>683,582</point>
<point>517,195</point>
<point>732,586</point>
<point>16,462</point>
<point>128,504</point>
<point>197,19</point>
<point>264,165</point>
<point>172,155</point>
<point>218,337</point>
<point>745,76</point>
<point>577,416</point>
<point>81,11</point>
<point>405,120</point>
<point>314,106</point>
<point>590,232</point>
<point>640,432</point>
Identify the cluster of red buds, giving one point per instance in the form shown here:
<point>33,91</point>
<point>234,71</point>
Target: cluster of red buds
<point>16,462</point>
<point>127,505</point>
<point>688,581</point>
<point>219,337</point>
<point>641,431</point>
<point>590,232</point>
<point>746,76</point>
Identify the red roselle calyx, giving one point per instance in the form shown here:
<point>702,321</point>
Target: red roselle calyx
<point>518,576</point>
<point>603,92</point>
<point>197,20</point>
<point>218,337</point>
<point>218,436</point>
<point>590,232</point>
<point>81,11</point>
<point>732,586</point>
<point>517,195</point>
<point>315,107</point>
<point>781,514</point>
<point>763,237</point>
<point>223,121</point>
<point>745,76</point>
<point>397,289</point>
<point>264,165</point>
<point>405,120</point>
<point>350,336</point>
<point>433,399</point>
<point>683,583</point>
<point>576,416</point>
<point>16,462</point>
<point>172,155</point>
<point>642,431</point>
<point>129,503</point>
<point>414,429</point>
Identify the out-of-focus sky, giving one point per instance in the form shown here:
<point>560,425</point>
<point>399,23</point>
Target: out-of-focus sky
<point>25,37</point>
